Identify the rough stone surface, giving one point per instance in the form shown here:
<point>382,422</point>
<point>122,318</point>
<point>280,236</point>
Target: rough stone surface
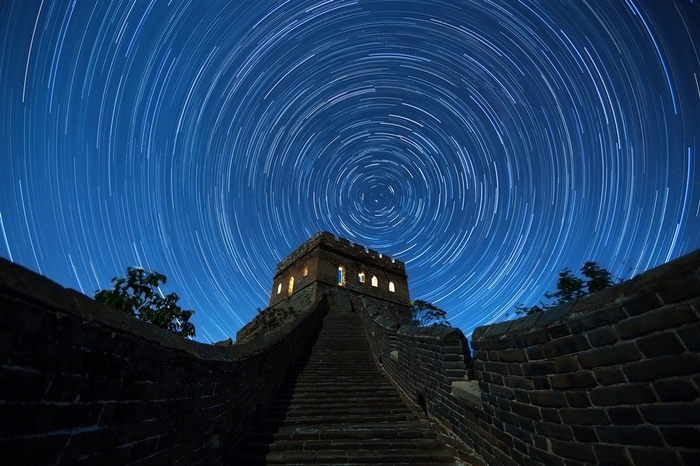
<point>613,378</point>
<point>339,408</point>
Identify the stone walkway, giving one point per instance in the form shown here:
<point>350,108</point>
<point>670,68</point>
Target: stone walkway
<point>340,409</point>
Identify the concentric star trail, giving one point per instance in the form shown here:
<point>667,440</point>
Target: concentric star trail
<point>487,144</point>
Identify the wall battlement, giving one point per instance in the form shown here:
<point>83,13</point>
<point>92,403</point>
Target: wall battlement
<point>328,259</point>
<point>344,246</point>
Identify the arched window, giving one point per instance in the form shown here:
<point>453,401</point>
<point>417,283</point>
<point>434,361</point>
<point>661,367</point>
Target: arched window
<point>392,288</point>
<point>306,270</point>
<point>341,275</point>
<point>375,282</point>
<point>290,290</point>
<point>279,288</point>
<point>361,277</point>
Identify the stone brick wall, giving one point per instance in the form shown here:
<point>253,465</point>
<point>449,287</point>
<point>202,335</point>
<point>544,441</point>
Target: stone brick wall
<point>613,379</point>
<point>80,381</point>
<point>425,363</point>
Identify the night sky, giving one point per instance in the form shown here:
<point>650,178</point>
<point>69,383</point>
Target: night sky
<point>488,144</point>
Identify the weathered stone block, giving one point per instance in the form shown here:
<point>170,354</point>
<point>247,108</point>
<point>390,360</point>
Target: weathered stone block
<point>548,398</point>
<point>630,435</point>
<point>557,431</point>
<point>608,355</point>
<point>625,415</point>
<point>584,416</point>
<point>596,318</point>
<point>609,375</point>
<point>681,436</point>
<point>660,344</point>
<point>602,336</point>
<point>656,320</point>
<point>690,334</point>
<point>642,303</point>
<point>610,454</point>
<point>675,389</point>
<point>584,434</point>
<point>654,456</point>
<point>526,410</point>
<point>566,345</point>
<point>574,450</point>
<point>512,355</point>
<point>672,413</point>
<point>582,379</point>
<point>578,399</point>
<point>567,364</point>
<point>540,368</point>
<point>680,290</point>
<point>666,366</point>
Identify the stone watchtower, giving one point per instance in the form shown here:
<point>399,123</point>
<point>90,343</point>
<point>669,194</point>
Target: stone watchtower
<point>326,265</point>
<point>327,260</point>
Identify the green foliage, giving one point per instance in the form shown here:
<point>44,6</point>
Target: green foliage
<point>138,294</point>
<point>272,318</point>
<point>571,288</point>
<point>425,314</point>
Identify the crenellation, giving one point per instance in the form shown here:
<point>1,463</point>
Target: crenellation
<point>328,259</point>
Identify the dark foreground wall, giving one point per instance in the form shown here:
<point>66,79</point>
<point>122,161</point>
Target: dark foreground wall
<point>613,379</point>
<point>80,381</point>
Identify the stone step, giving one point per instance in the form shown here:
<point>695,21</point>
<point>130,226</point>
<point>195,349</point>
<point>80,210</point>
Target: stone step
<point>329,419</point>
<point>335,402</point>
<point>398,430</point>
<point>335,457</point>
<point>294,412</point>
<point>415,444</point>
<point>340,390</point>
<point>340,409</point>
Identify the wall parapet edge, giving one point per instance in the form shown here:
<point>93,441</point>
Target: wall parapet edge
<point>83,382</point>
<point>429,366</point>
<point>652,284</point>
<point>613,378</point>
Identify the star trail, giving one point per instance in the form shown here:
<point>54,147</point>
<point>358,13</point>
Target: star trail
<point>488,144</point>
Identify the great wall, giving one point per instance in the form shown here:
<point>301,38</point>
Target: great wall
<point>611,379</point>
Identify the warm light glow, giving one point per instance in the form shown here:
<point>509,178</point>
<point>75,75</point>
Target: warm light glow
<point>341,275</point>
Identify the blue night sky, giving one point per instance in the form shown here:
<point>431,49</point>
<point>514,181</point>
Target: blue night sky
<point>488,144</point>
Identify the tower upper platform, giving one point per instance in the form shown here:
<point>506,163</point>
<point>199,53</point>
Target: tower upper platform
<point>329,259</point>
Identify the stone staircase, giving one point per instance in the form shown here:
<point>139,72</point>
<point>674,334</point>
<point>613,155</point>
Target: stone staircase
<point>340,409</point>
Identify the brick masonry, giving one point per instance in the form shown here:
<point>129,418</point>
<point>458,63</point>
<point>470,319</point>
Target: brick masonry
<point>612,379</point>
<point>81,382</point>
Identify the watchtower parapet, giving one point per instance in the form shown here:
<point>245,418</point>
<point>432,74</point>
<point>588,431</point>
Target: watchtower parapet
<point>332,260</point>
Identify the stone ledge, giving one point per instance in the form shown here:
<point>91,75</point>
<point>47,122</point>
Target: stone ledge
<point>18,282</point>
<point>661,279</point>
<point>467,390</point>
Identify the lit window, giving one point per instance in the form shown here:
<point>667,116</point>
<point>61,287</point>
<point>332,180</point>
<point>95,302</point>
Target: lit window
<point>279,288</point>
<point>306,270</point>
<point>375,282</point>
<point>341,275</point>
<point>361,277</point>
<point>290,290</point>
<point>392,288</point>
